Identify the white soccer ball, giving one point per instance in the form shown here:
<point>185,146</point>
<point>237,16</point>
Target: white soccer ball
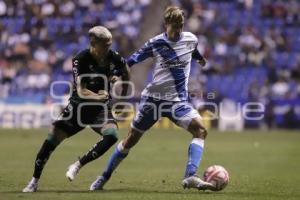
<point>216,175</point>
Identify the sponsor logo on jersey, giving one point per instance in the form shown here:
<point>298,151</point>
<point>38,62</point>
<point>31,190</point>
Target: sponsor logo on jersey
<point>174,63</point>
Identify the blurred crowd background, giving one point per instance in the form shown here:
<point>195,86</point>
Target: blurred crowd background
<point>252,48</point>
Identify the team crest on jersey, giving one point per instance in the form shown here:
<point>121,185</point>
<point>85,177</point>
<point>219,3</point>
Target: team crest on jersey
<point>91,67</point>
<point>190,45</point>
<point>111,66</point>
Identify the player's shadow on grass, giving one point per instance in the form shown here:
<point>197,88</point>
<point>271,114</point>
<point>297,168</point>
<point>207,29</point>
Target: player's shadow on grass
<point>254,194</point>
<point>121,190</point>
<point>197,192</point>
<point>147,191</point>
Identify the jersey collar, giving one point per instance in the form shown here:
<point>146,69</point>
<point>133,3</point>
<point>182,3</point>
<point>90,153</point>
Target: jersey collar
<point>166,37</point>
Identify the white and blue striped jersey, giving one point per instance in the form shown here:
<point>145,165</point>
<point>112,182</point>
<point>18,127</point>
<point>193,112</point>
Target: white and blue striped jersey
<point>172,66</point>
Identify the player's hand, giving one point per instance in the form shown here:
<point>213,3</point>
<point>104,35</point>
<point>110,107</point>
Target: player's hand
<point>103,95</point>
<point>202,62</point>
<point>114,79</point>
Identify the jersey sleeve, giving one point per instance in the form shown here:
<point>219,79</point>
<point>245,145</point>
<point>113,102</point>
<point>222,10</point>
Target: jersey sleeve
<point>78,69</point>
<point>120,64</point>
<point>196,54</point>
<point>142,54</point>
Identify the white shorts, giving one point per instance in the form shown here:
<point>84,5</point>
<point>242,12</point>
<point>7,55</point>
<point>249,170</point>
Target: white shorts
<point>151,110</point>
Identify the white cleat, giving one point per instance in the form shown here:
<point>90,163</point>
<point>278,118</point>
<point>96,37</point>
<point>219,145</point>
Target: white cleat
<point>196,182</point>
<point>98,183</point>
<point>31,187</point>
<point>73,170</point>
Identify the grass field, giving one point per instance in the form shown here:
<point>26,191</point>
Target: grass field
<point>261,166</point>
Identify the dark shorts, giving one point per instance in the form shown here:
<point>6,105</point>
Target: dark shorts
<point>76,117</point>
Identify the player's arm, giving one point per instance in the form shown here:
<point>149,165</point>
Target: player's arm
<point>85,93</point>
<point>81,84</point>
<point>125,78</point>
<point>198,57</point>
<point>141,55</point>
<point>122,71</point>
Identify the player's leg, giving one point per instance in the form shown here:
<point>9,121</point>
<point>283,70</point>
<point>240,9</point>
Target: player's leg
<point>109,134</point>
<point>110,137</point>
<point>122,151</point>
<point>189,119</point>
<point>196,146</point>
<point>62,128</point>
<point>49,145</point>
<point>119,154</point>
<point>195,153</point>
<point>144,119</point>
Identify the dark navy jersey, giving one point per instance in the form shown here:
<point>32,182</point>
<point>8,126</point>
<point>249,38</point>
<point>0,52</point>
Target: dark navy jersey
<point>93,76</point>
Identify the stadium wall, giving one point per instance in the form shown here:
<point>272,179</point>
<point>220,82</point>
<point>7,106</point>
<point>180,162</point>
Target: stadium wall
<point>41,116</point>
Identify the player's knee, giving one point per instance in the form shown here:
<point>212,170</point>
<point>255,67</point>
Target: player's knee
<point>198,130</point>
<point>57,136</point>
<point>112,138</point>
<point>203,132</point>
<point>53,139</point>
<point>132,138</point>
<point>111,134</point>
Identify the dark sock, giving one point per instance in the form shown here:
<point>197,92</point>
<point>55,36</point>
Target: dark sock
<point>42,157</point>
<point>98,149</point>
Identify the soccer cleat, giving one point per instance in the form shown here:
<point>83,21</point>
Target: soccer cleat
<point>31,187</point>
<point>196,182</point>
<point>98,183</point>
<point>73,170</point>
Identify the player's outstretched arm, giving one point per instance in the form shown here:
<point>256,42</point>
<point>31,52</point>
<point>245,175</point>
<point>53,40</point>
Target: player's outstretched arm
<point>141,55</point>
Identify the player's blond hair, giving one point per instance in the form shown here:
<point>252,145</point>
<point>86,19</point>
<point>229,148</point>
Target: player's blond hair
<point>100,32</point>
<point>173,15</point>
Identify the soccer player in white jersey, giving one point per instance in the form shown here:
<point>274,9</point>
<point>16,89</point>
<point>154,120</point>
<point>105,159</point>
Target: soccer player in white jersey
<point>166,96</point>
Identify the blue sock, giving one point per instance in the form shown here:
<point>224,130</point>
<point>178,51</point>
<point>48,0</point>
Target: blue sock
<point>194,157</point>
<point>117,156</point>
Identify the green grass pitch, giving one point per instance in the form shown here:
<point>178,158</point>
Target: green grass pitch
<point>262,165</point>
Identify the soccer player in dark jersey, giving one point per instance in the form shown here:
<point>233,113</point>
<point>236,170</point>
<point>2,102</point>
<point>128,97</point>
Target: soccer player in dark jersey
<point>89,105</point>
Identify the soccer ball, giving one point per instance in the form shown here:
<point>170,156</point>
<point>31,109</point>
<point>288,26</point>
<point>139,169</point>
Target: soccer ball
<point>216,175</point>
